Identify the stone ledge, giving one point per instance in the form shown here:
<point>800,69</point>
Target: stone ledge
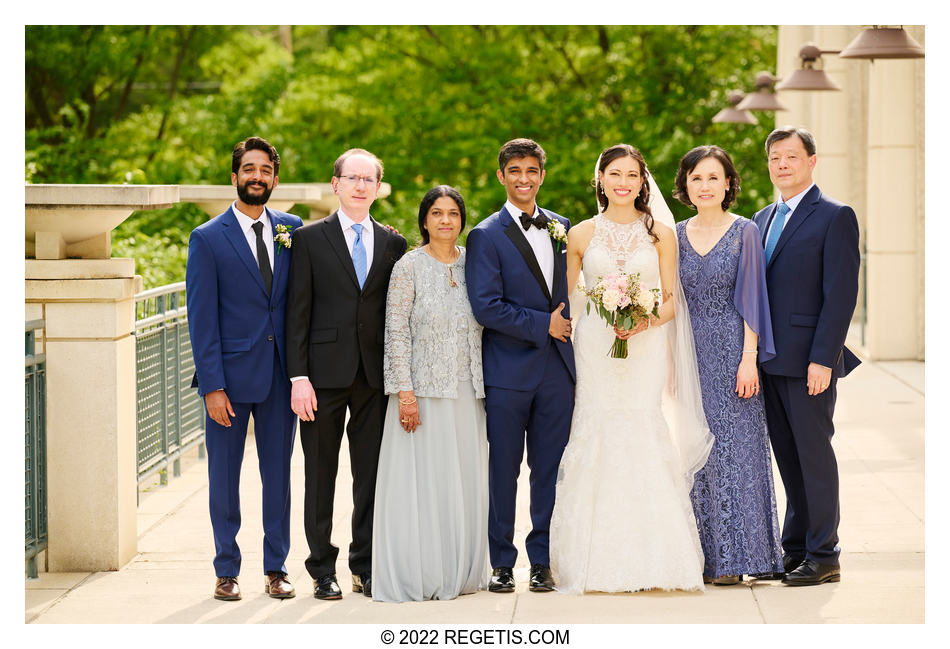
<point>72,269</point>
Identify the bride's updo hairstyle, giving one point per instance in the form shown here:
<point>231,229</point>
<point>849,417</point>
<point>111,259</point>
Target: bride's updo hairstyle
<point>642,201</point>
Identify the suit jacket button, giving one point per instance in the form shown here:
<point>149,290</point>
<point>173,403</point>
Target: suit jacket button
<point>270,338</point>
<point>359,326</point>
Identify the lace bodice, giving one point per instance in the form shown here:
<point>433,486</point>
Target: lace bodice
<point>432,339</point>
<point>627,247</point>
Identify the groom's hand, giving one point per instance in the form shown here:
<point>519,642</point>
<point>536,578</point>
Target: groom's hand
<point>303,400</point>
<point>560,327</point>
<point>219,407</point>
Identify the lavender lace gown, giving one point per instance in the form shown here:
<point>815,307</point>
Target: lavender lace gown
<point>733,495</point>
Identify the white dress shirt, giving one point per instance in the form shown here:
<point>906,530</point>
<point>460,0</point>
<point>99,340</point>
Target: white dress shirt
<point>540,242</point>
<point>792,204</point>
<point>247,223</point>
<point>350,235</point>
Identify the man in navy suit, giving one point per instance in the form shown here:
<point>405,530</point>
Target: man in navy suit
<point>812,261</point>
<point>517,285</point>
<point>236,285</point>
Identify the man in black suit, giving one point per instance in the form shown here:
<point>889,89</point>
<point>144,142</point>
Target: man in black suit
<point>339,277</point>
<point>812,262</point>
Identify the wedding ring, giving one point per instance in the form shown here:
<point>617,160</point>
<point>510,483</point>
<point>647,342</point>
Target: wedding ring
<point>405,421</point>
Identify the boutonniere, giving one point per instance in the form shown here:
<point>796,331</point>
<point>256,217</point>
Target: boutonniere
<point>390,228</point>
<point>558,233</point>
<point>283,236</point>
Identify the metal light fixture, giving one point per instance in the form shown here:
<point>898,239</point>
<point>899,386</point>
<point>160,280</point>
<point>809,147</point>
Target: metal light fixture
<point>883,43</point>
<point>764,97</point>
<point>734,115</point>
<point>807,77</point>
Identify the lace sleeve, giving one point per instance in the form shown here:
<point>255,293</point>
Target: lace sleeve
<point>397,349</point>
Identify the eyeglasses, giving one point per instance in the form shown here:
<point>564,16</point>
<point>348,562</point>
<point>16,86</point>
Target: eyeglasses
<point>353,179</point>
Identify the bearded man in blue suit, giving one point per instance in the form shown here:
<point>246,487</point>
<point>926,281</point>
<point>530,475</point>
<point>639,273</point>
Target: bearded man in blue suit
<point>236,284</point>
<point>812,262</point>
<point>517,285</point>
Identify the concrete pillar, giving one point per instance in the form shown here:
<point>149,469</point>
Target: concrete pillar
<point>895,215</point>
<point>870,156</point>
<point>89,308</point>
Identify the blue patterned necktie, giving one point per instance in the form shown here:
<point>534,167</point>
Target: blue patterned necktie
<point>359,255</point>
<point>778,223</point>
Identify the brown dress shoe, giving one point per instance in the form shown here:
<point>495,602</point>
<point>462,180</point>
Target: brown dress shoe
<point>226,588</point>
<point>277,586</point>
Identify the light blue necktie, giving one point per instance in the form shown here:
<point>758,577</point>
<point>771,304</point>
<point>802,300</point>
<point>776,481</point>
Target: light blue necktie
<point>359,255</point>
<point>778,223</point>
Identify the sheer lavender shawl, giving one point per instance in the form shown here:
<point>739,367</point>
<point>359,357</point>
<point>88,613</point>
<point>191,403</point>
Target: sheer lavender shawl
<point>751,298</point>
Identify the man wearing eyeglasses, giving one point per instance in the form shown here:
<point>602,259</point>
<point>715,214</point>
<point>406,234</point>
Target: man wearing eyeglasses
<point>339,277</point>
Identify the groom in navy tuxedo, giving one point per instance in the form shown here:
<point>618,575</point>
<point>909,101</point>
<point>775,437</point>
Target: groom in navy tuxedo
<point>517,285</point>
<point>812,261</point>
<point>236,286</point>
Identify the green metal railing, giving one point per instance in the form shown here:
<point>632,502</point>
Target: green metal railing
<point>36,531</point>
<point>169,413</point>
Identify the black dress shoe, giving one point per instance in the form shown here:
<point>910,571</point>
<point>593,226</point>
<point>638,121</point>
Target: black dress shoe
<point>502,580</point>
<point>812,573</point>
<point>363,584</point>
<point>541,579</point>
<point>325,587</point>
<point>789,563</point>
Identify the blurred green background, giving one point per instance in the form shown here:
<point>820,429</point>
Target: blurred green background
<point>166,104</point>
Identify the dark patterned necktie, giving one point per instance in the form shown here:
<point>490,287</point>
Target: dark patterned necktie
<point>263,261</point>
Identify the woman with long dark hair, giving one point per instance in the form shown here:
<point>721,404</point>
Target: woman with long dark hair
<point>622,517</point>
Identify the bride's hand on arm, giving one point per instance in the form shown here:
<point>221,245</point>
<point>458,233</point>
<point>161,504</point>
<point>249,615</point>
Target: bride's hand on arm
<point>666,251</point>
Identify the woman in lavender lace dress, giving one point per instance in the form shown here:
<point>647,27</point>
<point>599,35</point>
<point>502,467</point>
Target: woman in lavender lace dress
<point>722,269</point>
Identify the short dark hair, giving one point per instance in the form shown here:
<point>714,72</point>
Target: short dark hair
<point>430,198</point>
<point>338,165</point>
<point>693,158</point>
<point>254,143</point>
<point>520,147</point>
<point>788,131</point>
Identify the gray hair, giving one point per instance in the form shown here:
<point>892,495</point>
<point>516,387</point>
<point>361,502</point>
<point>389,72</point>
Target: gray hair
<point>788,131</point>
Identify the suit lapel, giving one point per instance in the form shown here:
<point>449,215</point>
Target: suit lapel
<point>380,242</point>
<point>280,260</point>
<point>233,233</point>
<point>521,243</point>
<point>334,234</point>
<point>806,207</point>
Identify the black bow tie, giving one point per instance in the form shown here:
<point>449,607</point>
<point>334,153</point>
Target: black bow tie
<point>538,221</point>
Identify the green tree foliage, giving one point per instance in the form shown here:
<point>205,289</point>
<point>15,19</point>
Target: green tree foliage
<point>165,104</point>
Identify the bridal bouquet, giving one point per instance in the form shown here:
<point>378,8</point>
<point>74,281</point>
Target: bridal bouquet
<point>622,302</point>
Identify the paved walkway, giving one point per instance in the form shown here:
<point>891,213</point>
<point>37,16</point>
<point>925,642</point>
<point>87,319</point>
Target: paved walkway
<point>880,447</point>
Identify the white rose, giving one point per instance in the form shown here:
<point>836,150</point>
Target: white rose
<point>610,299</point>
<point>646,299</point>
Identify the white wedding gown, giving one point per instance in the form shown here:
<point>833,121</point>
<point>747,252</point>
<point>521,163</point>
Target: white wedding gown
<point>622,517</point>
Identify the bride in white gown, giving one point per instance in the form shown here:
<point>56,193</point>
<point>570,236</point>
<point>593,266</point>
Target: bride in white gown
<point>622,517</point>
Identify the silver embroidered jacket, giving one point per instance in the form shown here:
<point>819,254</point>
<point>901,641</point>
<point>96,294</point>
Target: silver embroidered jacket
<point>432,339</point>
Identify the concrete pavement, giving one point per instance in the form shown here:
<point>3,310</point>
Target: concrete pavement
<point>880,447</point>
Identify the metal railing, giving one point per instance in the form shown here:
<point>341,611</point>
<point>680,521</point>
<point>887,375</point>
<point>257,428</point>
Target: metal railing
<point>169,413</point>
<point>36,529</point>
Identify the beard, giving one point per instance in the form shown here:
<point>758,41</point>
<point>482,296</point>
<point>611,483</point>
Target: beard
<point>253,199</point>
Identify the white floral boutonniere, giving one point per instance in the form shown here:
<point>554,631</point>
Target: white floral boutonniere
<point>283,237</point>
<point>558,233</point>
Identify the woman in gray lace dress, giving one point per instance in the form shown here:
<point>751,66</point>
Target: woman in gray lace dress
<point>430,526</point>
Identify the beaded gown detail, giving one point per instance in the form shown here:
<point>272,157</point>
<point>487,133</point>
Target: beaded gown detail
<point>622,517</point>
<point>733,496</point>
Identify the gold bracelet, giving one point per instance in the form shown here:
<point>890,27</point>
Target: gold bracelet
<point>407,402</point>
<point>750,351</point>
